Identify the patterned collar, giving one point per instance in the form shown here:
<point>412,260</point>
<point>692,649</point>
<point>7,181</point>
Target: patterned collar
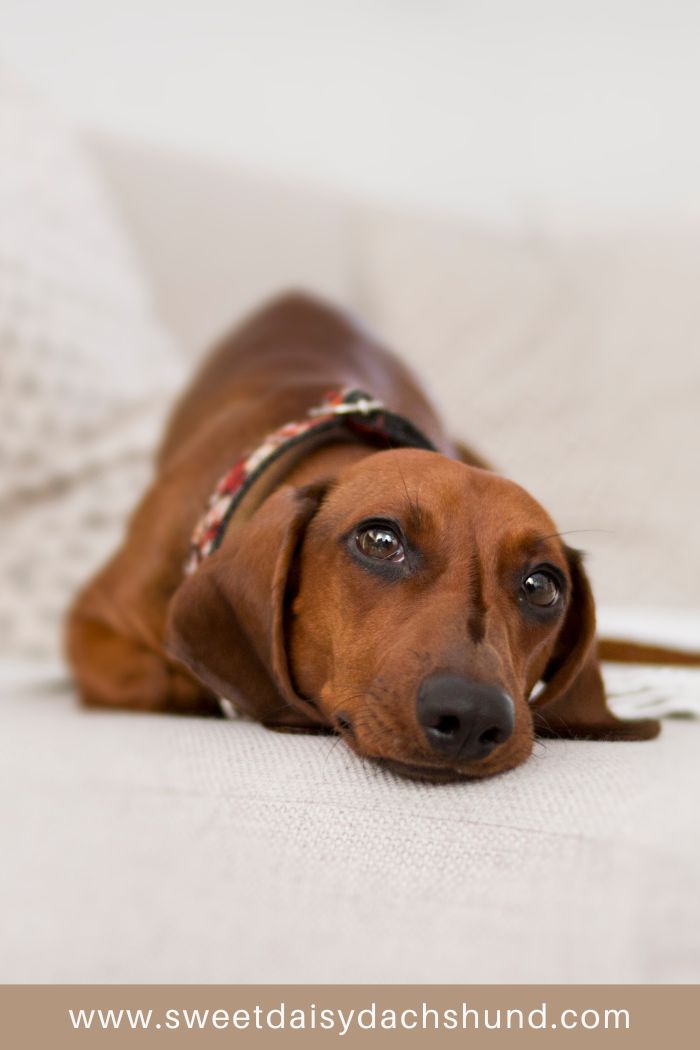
<point>352,411</point>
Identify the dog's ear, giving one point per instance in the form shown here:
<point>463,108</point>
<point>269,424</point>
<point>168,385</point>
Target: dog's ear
<point>573,703</point>
<point>227,620</point>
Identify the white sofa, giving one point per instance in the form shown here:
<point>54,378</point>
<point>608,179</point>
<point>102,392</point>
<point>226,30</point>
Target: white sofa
<point>140,848</point>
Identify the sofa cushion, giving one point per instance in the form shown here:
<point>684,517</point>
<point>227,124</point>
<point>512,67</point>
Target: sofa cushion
<point>155,848</point>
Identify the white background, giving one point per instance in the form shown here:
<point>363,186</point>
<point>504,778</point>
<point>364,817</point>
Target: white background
<point>577,111</point>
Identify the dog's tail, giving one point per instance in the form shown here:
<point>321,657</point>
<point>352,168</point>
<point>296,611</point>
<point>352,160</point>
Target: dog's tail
<point>622,651</point>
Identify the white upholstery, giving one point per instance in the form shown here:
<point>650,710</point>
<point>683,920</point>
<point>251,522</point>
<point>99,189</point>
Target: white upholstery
<point>149,848</point>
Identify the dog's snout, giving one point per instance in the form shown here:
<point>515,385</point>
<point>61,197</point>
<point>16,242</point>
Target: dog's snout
<point>462,719</point>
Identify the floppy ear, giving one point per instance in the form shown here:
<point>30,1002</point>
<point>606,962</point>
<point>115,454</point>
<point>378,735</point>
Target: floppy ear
<point>227,620</point>
<point>572,703</point>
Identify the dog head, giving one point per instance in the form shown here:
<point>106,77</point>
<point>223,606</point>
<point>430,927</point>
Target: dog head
<point>413,604</point>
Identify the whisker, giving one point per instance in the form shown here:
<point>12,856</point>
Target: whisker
<point>575,532</point>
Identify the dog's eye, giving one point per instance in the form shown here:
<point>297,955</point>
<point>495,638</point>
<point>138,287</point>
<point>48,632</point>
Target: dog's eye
<point>541,588</point>
<point>380,542</point>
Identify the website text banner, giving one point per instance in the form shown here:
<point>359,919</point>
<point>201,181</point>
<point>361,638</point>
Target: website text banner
<point>261,1016</point>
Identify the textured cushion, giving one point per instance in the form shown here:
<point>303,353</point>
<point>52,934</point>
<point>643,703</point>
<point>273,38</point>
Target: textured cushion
<point>154,848</point>
<point>86,371</point>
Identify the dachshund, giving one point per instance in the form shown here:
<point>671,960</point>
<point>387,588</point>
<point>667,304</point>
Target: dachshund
<point>356,571</point>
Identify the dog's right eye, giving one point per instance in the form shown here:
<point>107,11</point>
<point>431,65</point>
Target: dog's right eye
<point>380,542</point>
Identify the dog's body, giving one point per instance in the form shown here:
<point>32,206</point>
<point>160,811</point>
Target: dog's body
<point>386,595</point>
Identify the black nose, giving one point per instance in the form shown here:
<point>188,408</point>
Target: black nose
<point>464,719</point>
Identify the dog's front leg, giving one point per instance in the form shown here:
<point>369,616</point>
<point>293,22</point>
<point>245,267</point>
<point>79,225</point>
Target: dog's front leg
<point>112,670</point>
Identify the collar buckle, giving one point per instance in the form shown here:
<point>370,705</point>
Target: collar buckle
<point>363,406</point>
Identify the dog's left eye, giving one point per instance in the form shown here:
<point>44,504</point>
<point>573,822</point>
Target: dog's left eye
<point>380,542</point>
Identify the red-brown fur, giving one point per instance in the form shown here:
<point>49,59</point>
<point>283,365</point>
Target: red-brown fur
<point>282,620</point>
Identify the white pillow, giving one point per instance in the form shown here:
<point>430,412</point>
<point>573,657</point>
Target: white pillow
<point>85,373</point>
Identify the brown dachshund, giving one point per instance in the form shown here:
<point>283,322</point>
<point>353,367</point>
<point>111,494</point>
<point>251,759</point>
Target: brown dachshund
<point>373,579</point>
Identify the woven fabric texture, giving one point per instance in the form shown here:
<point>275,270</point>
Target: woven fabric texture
<point>152,848</point>
<point>85,371</point>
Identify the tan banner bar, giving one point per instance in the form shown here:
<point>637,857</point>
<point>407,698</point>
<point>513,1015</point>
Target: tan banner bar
<point>172,1016</point>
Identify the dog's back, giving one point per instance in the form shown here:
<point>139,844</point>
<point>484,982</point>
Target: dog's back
<point>284,359</point>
